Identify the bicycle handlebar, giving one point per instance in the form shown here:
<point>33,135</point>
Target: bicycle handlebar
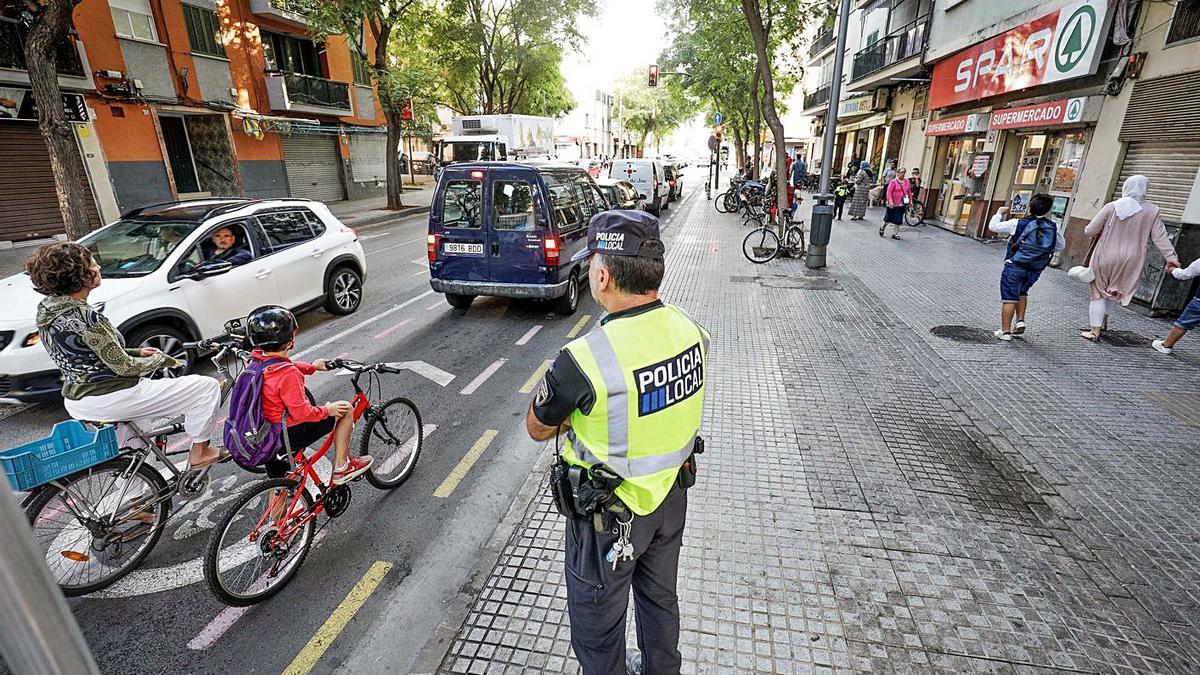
<point>360,367</point>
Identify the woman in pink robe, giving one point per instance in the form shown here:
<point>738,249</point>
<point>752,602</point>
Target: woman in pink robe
<point>1123,227</point>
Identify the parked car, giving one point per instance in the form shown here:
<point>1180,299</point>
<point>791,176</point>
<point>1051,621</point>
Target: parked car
<point>620,194</point>
<point>648,176</point>
<point>161,287</point>
<point>511,230</point>
<point>675,181</point>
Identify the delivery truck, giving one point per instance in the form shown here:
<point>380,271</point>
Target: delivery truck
<point>483,138</point>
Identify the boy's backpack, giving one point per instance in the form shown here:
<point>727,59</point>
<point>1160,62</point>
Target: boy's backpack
<point>249,437</point>
<point>1034,248</point>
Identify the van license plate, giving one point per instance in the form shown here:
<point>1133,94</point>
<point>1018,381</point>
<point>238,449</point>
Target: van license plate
<point>468,249</point>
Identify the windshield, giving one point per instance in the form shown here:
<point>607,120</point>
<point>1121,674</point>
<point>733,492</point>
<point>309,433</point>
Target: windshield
<point>129,248</point>
<point>459,151</point>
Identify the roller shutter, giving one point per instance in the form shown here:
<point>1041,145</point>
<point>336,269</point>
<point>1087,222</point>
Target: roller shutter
<point>312,165</point>
<point>1171,167</point>
<point>368,157</point>
<point>27,196</point>
<point>1164,108</point>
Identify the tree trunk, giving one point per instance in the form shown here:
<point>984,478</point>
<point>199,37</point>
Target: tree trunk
<point>754,20</point>
<point>392,156</point>
<point>757,125</point>
<point>50,26</point>
<point>739,147</point>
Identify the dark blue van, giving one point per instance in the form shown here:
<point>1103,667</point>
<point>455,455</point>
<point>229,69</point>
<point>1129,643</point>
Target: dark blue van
<point>511,230</point>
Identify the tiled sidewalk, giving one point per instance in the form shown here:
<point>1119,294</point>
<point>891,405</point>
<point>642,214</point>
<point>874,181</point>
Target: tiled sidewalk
<point>877,497</point>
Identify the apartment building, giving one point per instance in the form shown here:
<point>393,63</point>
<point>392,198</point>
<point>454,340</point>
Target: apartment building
<point>185,99</point>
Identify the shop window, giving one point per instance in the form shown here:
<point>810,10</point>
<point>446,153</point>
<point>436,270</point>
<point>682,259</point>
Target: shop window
<point>204,30</point>
<point>1186,23</point>
<point>1030,158</point>
<point>133,19</point>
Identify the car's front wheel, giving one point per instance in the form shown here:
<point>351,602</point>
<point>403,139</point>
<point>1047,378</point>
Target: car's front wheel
<point>167,339</point>
<point>343,293</point>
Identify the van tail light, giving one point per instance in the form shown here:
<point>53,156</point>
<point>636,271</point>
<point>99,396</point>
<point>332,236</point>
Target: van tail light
<point>431,247</point>
<point>551,246</point>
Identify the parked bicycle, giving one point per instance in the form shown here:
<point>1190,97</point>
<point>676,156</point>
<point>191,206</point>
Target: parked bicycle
<point>762,244</point>
<point>914,215</point>
<point>262,540</point>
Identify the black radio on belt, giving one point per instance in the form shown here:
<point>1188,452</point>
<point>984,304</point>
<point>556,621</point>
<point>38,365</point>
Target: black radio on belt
<point>687,472</point>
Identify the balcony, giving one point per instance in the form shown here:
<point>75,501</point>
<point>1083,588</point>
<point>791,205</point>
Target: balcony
<point>820,42</point>
<point>12,50</point>
<point>899,45</point>
<point>290,12</point>
<point>817,98</point>
<point>293,92</point>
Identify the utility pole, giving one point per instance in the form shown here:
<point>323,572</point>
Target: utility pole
<point>822,213</point>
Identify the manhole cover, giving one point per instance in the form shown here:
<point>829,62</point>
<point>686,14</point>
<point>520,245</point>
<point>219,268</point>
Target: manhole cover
<point>968,334</point>
<point>1124,338</point>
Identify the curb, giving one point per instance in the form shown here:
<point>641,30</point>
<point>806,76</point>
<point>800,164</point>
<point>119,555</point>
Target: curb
<point>387,218</point>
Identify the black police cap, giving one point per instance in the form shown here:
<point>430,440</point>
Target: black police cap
<point>625,232</point>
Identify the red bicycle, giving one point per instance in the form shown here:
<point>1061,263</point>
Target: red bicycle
<point>263,538</point>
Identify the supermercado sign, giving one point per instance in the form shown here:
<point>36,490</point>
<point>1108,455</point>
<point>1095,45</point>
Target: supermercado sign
<point>1062,45</point>
<point>1065,111</point>
<point>963,124</point>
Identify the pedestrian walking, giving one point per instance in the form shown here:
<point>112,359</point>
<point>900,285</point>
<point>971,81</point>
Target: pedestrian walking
<point>628,397</point>
<point>1122,229</point>
<point>1191,314</point>
<point>862,192</point>
<point>897,199</point>
<point>914,182</point>
<point>841,190</point>
<point>1032,241</point>
<point>799,171</point>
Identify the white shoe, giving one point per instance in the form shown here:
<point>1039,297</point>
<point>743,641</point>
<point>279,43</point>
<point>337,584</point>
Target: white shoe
<point>1019,328</point>
<point>1002,335</point>
<point>1160,347</point>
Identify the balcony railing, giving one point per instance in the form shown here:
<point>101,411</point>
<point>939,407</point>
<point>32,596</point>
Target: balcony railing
<point>306,93</point>
<point>12,50</point>
<point>817,97</point>
<point>822,40</point>
<point>899,45</point>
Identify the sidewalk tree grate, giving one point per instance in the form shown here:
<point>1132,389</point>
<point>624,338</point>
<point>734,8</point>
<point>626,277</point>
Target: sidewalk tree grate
<point>967,334</point>
<point>1124,338</point>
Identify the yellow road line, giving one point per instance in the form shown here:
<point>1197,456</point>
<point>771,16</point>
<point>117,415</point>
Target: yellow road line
<point>527,388</point>
<point>464,465</point>
<point>579,325</point>
<point>328,632</point>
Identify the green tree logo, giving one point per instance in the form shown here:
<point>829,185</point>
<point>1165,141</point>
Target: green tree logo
<point>1075,39</point>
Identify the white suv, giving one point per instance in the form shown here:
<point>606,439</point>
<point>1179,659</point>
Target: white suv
<point>163,286</point>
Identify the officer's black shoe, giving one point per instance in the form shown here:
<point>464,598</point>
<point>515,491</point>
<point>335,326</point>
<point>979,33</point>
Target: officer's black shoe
<point>633,662</point>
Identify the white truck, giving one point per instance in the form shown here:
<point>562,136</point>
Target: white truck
<point>476,138</point>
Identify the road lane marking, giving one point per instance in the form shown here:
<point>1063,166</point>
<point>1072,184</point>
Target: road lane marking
<point>434,306</point>
<point>533,379</point>
<point>388,248</point>
<point>426,370</point>
<point>373,236</point>
<point>482,377</point>
<point>578,326</point>
<point>360,325</point>
<point>388,331</point>
<point>333,626</point>
<point>464,465</point>
<point>529,335</point>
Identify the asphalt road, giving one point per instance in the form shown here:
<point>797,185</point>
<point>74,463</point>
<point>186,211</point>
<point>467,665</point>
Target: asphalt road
<point>163,619</point>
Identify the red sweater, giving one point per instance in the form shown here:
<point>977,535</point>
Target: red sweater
<point>283,389</point>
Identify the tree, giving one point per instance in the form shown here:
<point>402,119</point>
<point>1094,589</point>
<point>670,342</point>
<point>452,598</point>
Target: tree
<point>503,56</point>
<point>384,19</point>
<point>648,110</point>
<point>48,26</point>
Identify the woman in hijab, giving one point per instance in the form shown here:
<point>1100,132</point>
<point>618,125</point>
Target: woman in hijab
<point>862,191</point>
<point>1122,228</point>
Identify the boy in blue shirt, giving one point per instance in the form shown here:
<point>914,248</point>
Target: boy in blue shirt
<point>1032,241</point>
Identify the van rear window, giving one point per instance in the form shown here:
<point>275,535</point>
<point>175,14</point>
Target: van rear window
<point>512,205</point>
<point>461,204</point>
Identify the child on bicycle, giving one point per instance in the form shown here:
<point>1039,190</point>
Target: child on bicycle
<point>272,332</point>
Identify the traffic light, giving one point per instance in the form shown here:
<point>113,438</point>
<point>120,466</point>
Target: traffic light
<point>654,75</point>
<point>406,110</point>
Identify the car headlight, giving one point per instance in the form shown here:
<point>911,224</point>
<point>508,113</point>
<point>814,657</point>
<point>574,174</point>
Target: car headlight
<point>31,339</point>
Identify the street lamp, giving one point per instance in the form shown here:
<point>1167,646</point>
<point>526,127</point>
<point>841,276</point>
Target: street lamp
<point>822,213</point>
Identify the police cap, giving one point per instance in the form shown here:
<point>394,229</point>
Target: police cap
<point>625,232</point>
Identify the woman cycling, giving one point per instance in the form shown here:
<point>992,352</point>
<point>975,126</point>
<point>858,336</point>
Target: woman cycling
<point>102,380</point>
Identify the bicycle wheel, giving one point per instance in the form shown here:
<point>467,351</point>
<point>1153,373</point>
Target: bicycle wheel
<point>248,559</point>
<point>100,524</point>
<point>793,240</point>
<point>393,437</point>
<point>915,213</point>
<point>761,245</point>
<point>721,204</point>
<point>731,201</point>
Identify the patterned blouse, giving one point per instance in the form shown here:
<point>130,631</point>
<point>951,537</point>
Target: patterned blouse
<point>87,349</point>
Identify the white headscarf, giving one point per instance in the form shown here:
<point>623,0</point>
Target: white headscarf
<point>1133,192</point>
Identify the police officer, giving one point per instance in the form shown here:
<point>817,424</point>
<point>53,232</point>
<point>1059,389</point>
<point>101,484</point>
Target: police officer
<point>627,399</point>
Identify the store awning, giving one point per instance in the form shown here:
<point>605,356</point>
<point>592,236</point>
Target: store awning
<point>872,121</point>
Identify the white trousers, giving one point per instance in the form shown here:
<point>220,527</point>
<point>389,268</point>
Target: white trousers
<point>1098,309</point>
<point>196,397</point>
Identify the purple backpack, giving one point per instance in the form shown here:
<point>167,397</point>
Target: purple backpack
<point>249,437</point>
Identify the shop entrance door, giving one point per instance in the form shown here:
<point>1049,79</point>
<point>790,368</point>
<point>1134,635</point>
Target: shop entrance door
<point>964,174</point>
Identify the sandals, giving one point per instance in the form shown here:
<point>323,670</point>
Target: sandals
<point>1089,336</point>
<point>896,237</point>
<point>881,230</point>
<point>1019,328</point>
<point>222,455</point>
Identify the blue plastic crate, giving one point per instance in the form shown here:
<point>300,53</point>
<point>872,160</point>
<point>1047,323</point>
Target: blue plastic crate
<point>71,447</point>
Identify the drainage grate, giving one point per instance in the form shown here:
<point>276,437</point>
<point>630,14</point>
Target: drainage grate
<point>967,334</point>
<point>1124,338</point>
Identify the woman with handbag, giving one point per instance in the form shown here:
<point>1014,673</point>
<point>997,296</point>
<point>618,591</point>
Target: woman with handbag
<point>899,196</point>
<point>1122,229</point>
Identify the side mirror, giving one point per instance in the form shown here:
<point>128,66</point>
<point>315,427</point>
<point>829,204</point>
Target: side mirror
<point>208,268</point>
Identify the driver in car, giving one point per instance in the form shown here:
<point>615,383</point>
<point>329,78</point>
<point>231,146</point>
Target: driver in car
<point>225,247</point>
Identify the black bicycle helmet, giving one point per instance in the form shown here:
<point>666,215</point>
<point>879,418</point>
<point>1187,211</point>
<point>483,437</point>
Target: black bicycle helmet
<point>270,326</point>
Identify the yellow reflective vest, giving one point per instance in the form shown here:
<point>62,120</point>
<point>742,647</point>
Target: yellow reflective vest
<point>647,372</point>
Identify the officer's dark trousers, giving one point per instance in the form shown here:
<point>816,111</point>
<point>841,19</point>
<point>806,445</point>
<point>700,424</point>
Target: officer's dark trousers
<point>598,597</point>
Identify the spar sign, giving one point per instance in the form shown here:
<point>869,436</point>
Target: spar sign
<point>1062,45</point>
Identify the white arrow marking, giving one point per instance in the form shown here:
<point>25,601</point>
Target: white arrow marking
<point>482,377</point>
<point>426,370</point>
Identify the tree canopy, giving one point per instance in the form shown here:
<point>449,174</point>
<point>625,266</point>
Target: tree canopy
<point>651,111</point>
